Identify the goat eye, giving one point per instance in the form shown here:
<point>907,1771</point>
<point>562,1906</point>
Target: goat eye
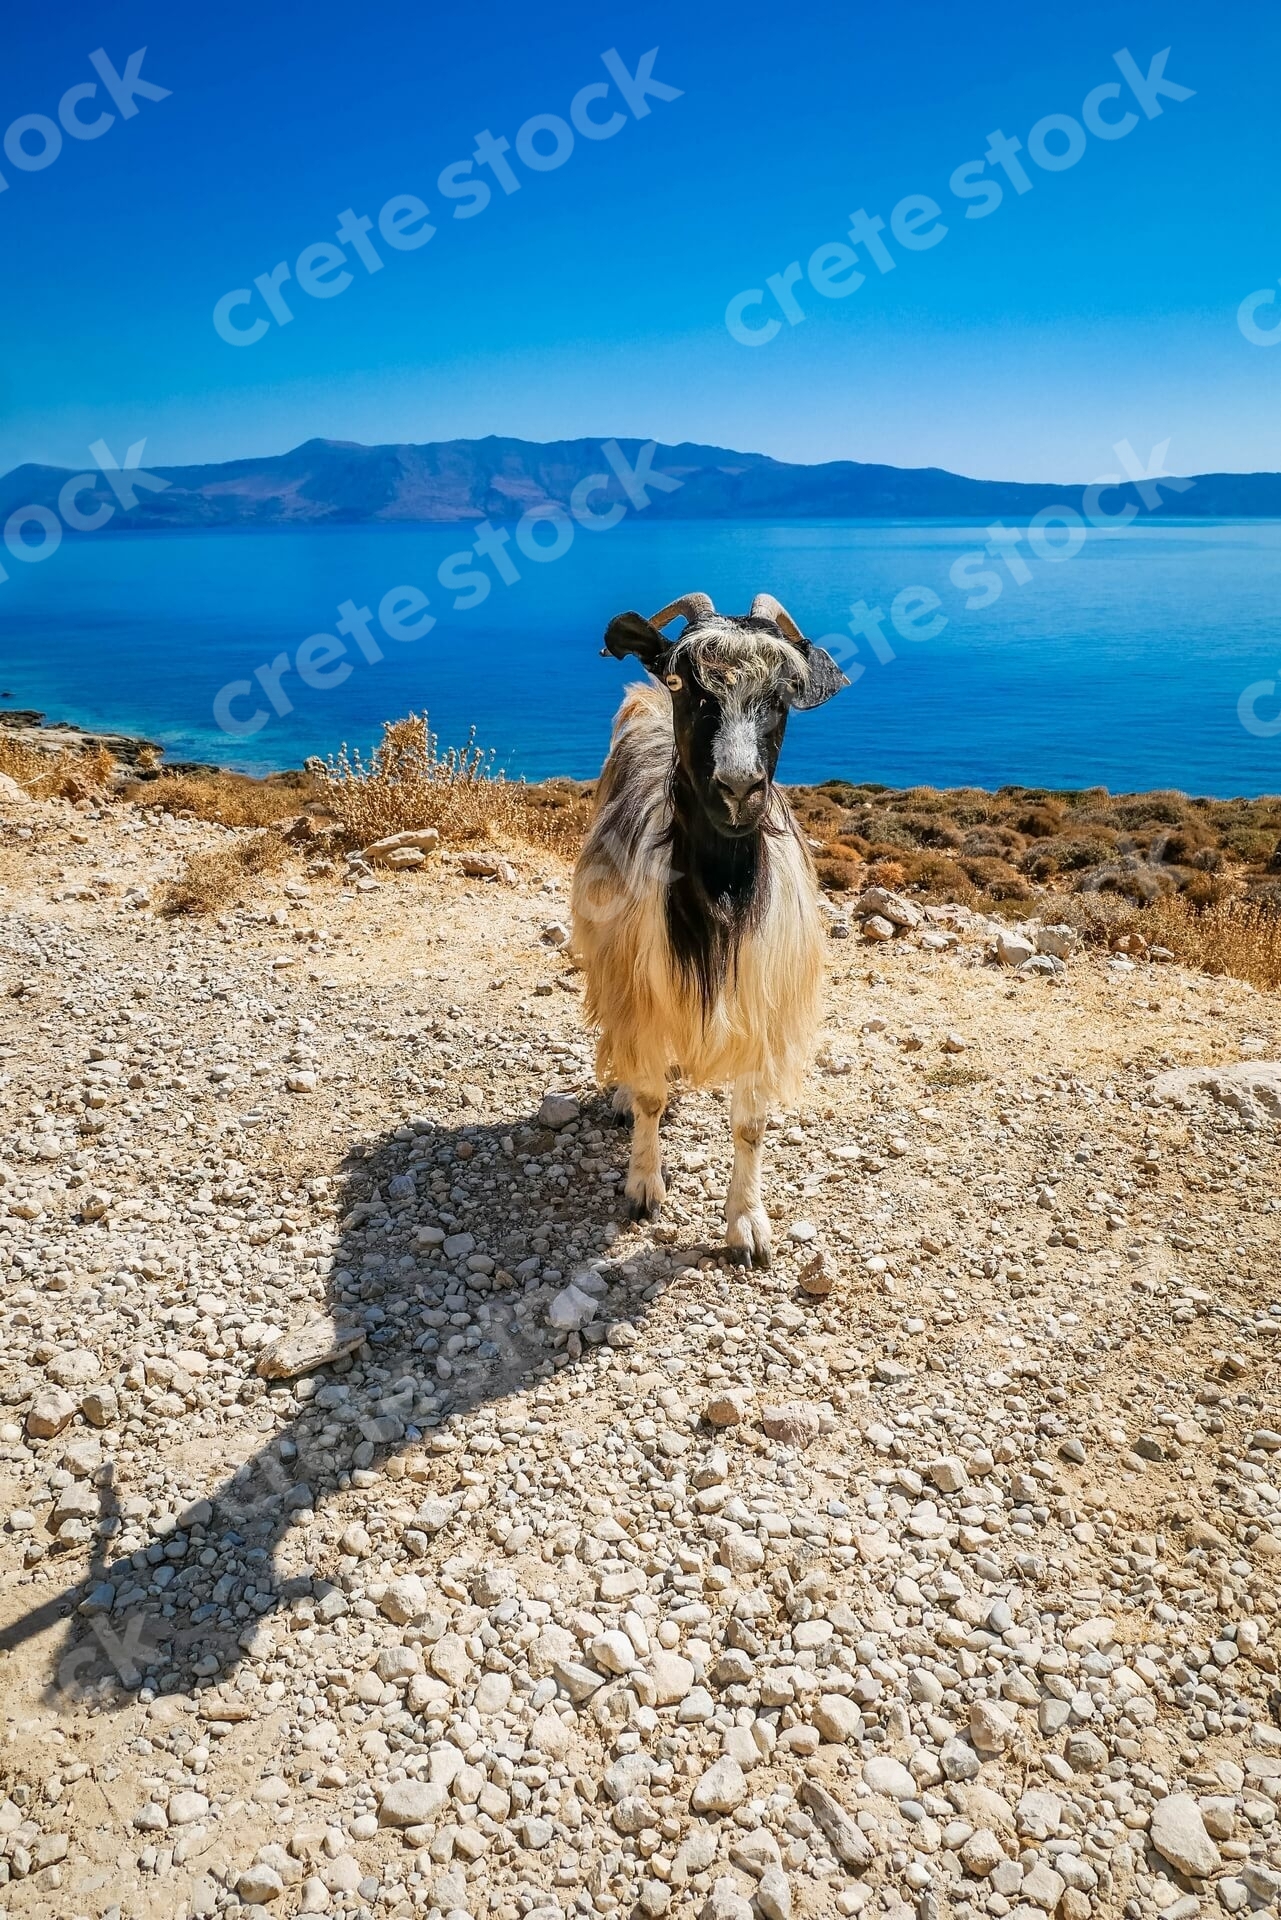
<point>674,681</point>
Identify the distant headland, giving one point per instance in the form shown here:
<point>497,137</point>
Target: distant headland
<point>335,483</point>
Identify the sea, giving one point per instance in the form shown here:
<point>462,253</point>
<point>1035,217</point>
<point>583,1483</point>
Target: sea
<point>1118,659</point>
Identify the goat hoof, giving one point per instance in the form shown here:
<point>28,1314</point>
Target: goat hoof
<point>739,1257</point>
<point>644,1209</point>
<point>623,1117</point>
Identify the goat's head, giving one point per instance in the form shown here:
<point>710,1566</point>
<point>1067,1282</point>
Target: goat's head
<point>734,679</point>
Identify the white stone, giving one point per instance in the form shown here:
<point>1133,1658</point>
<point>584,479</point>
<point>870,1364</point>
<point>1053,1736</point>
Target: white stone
<point>1178,1833</point>
<point>720,1789</point>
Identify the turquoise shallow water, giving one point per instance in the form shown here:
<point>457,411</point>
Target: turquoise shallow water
<point>1121,666</point>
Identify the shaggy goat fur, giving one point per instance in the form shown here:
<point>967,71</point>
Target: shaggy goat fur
<point>715,979</point>
<point>654,1015</point>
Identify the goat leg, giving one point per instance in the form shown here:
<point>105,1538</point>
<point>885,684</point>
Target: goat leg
<point>748,1228</point>
<point>645,1190</point>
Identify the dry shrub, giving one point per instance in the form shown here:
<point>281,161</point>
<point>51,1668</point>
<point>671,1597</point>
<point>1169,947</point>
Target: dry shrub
<point>1039,823</point>
<point>837,872</point>
<point>219,877</point>
<point>1095,916</point>
<point>938,834</point>
<point>991,843</point>
<point>555,814</point>
<point>886,873</point>
<point>1254,845</point>
<point>408,782</point>
<point>1234,936</point>
<point>1071,853</point>
<point>939,877</point>
<point>997,878</point>
<point>232,799</point>
<point>67,774</point>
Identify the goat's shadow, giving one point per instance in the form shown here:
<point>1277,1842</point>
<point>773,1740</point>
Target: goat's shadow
<point>156,1617</point>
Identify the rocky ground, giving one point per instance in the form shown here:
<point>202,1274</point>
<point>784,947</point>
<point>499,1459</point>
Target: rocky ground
<point>353,1563</point>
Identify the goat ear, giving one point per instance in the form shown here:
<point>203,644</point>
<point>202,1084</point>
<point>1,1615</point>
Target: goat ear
<point>632,633</point>
<point>823,679</point>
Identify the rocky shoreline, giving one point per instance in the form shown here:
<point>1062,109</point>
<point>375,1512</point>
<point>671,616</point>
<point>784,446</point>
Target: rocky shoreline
<point>139,757</point>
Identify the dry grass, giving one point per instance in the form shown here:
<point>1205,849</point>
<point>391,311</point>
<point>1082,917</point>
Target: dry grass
<point>64,775</point>
<point>1196,876</point>
<point>953,1077</point>
<point>408,782</point>
<point>232,799</point>
<point>1234,936</point>
<point>220,877</point>
<point>1201,877</point>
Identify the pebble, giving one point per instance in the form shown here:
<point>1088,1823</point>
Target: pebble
<point>411,1803</point>
<point>720,1789</point>
<point>795,1423</point>
<point>51,1410</point>
<point>888,1776</point>
<point>259,1884</point>
<point>725,1410</point>
<point>990,1729</point>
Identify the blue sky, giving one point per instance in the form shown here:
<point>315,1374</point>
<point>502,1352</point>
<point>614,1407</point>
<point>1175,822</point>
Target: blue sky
<point>1101,305</point>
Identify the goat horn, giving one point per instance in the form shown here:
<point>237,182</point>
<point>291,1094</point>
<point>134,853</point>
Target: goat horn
<point>766,607</point>
<point>690,606</point>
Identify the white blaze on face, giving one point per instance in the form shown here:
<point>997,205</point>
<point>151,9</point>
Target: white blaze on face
<point>736,751</point>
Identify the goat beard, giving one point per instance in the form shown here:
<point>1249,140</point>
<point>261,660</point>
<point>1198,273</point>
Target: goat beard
<point>717,887</point>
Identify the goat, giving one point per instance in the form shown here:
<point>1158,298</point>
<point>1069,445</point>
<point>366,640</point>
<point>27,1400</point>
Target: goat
<point>695,906</point>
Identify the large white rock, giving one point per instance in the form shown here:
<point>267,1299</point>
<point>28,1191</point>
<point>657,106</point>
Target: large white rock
<point>318,1344</point>
<point>405,1600</point>
<point>1251,1086</point>
<point>843,1834</point>
<point>888,906</point>
<point>673,1678</point>
<point>49,1413</point>
<point>1178,1833</point>
<point>1012,949</point>
<point>411,1803</point>
<point>1061,942</point>
<point>79,1368</point>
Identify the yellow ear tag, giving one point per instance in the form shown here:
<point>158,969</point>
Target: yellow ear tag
<point>674,681</point>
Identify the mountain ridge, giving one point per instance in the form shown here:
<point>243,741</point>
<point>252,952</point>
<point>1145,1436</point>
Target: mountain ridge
<point>333,483</point>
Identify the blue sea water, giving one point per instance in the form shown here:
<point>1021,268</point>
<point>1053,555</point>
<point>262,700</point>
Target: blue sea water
<point>1120,666</point>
